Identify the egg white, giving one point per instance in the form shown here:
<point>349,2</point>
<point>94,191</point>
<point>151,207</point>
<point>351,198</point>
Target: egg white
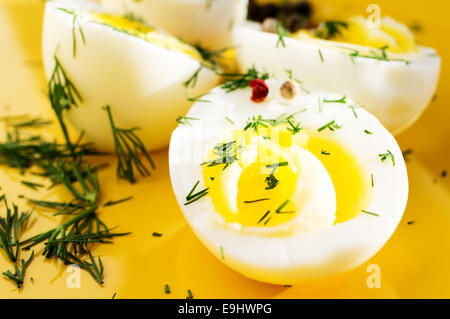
<point>298,256</point>
<point>140,80</point>
<point>208,22</point>
<point>395,92</point>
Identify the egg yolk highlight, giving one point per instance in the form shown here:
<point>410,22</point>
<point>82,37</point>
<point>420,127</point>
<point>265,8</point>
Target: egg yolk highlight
<point>264,182</point>
<point>132,25</point>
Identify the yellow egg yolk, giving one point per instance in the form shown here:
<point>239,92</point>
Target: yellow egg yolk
<point>267,183</point>
<point>132,25</point>
<point>392,35</point>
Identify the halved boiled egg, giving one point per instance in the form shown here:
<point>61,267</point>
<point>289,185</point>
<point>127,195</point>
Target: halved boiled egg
<point>383,68</point>
<point>122,61</point>
<point>207,22</point>
<point>302,185</point>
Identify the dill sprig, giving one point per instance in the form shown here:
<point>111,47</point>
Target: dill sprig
<point>23,152</point>
<point>10,228</point>
<point>75,27</point>
<point>87,178</point>
<point>71,239</point>
<point>63,95</point>
<point>19,271</point>
<point>212,57</point>
<point>236,81</point>
<point>128,146</point>
<point>94,269</point>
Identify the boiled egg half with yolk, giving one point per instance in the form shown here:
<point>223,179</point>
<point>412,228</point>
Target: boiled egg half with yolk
<point>380,67</point>
<point>140,71</point>
<point>291,189</point>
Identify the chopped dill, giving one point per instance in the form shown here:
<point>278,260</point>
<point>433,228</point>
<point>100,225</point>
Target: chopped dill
<point>321,55</point>
<point>166,289</point>
<point>222,253</point>
<point>278,210</point>
<point>324,152</point>
<point>294,128</point>
<point>332,126</point>
<point>256,121</point>
<point>193,197</point>
<point>271,181</point>
<point>33,186</point>
<point>281,32</point>
<point>276,165</point>
<point>341,100</point>
<point>229,120</point>
<point>227,154</point>
<point>184,120</point>
<point>370,213</point>
<point>255,201</point>
<point>212,57</point>
<point>368,132</point>
<point>192,81</point>
<point>264,216</point>
<point>386,156</point>
<point>353,108</point>
<point>32,123</point>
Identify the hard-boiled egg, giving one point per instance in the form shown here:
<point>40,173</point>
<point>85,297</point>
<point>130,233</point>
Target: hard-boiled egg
<point>123,62</point>
<point>207,22</point>
<point>381,68</point>
<point>303,185</point>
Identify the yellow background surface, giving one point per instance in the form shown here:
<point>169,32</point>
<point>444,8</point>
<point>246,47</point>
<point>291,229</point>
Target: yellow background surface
<point>415,263</point>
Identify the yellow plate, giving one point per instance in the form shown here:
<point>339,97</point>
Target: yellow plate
<point>413,264</point>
